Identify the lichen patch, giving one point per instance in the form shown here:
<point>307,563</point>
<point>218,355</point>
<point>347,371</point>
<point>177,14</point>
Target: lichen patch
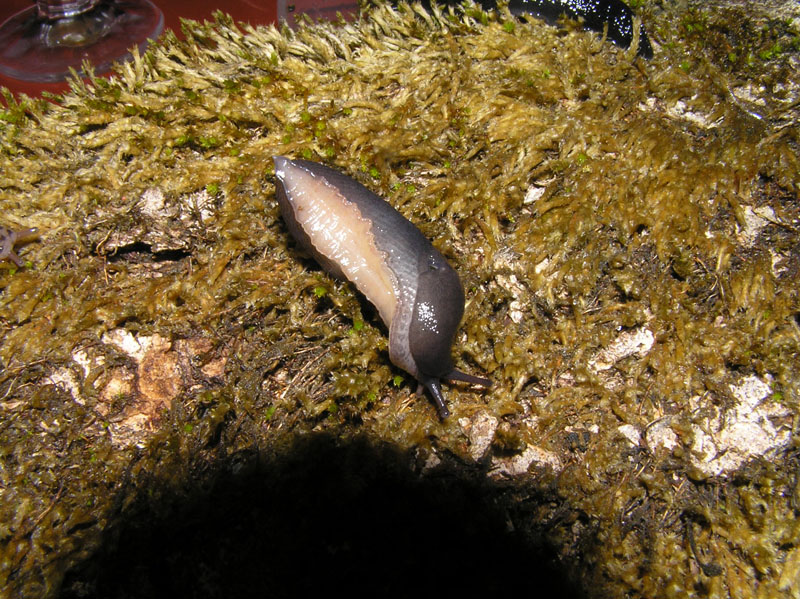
<point>479,429</point>
<point>160,379</point>
<point>629,343</point>
<point>520,464</point>
<point>752,427</point>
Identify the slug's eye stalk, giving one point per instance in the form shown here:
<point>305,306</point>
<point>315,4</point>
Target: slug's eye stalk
<point>435,389</point>
<point>457,375</point>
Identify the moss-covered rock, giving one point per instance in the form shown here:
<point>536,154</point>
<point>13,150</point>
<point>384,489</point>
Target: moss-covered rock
<point>627,233</point>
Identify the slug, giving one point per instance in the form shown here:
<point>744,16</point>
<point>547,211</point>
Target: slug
<point>356,235</point>
<point>595,15</point>
<point>8,239</point>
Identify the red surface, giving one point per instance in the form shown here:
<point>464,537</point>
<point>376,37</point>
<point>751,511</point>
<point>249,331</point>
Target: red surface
<point>252,11</point>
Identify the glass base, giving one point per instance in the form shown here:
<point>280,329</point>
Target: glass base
<point>35,49</point>
<point>289,10</point>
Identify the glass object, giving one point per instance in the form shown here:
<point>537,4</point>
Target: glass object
<point>41,43</point>
<point>288,10</point>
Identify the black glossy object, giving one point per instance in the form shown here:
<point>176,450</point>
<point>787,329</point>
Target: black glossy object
<point>594,13</point>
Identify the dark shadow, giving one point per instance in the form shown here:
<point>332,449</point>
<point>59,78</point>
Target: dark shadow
<point>324,518</point>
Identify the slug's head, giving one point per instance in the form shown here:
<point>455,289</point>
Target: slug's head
<point>438,309</point>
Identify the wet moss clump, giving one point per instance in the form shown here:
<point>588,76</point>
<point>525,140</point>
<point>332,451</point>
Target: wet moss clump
<point>755,46</point>
<point>627,236</point>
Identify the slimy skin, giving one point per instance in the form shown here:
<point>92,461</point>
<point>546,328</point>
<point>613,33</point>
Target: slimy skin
<point>356,235</point>
<point>595,15</point>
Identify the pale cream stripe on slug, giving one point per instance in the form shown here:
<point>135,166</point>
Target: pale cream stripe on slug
<point>338,232</point>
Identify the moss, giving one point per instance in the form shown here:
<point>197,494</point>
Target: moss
<point>581,194</point>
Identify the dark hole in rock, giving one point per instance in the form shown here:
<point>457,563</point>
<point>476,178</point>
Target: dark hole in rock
<point>140,251</point>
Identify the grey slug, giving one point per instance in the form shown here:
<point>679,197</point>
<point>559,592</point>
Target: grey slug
<point>356,235</point>
<point>9,238</point>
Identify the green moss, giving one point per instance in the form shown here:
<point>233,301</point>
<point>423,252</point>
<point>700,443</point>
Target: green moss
<point>580,194</point>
